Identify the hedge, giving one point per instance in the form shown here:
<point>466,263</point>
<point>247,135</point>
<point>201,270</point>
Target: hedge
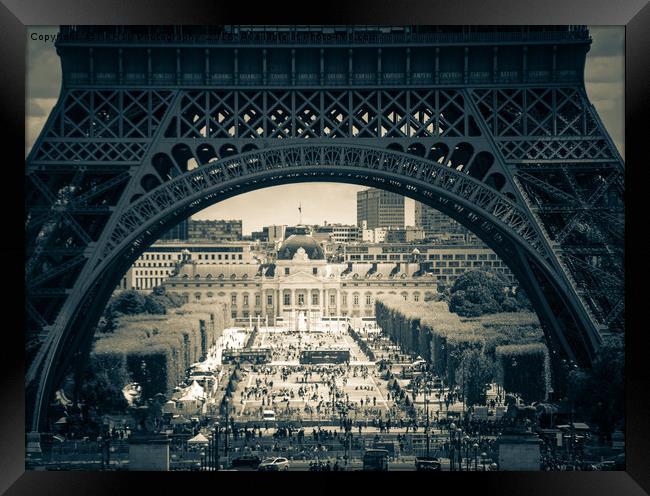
<point>157,350</point>
<point>430,330</point>
<point>525,370</point>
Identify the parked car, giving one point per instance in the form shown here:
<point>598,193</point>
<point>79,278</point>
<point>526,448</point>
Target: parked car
<point>274,464</point>
<point>427,463</point>
<point>247,461</point>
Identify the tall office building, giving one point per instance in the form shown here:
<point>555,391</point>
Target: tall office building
<point>379,208</point>
<point>177,233</point>
<point>436,224</point>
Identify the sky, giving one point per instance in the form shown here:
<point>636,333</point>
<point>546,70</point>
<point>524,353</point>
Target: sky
<point>331,202</point>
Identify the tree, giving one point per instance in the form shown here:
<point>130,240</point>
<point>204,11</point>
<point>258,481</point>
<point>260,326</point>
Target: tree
<point>154,305</point>
<point>102,388</point>
<point>475,371</point>
<point>598,393</point>
<point>481,291</point>
<point>128,302</point>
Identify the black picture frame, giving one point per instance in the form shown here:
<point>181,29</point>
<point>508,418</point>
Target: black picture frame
<point>15,15</point>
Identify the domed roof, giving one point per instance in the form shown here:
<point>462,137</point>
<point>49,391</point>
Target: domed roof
<point>293,243</point>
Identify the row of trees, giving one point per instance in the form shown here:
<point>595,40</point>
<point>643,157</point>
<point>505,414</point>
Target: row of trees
<point>154,350</point>
<point>468,352</point>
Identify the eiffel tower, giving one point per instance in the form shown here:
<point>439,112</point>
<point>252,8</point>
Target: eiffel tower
<point>490,125</point>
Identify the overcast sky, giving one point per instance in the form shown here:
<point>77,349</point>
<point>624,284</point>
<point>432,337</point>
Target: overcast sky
<point>333,202</point>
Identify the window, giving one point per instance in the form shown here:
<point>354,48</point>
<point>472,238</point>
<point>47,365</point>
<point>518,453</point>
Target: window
<point>416,296</point>
<point>332,300</point>
<point>240,257</point>
<point>233,299</point>
<point>301,299</point>
<point>344,299</point>
<point>314,298</point>
<point>368,300</point>
<point>405,296</point>
<point>314,271</point>
<point>286,271</point>
<point>356,299</point>
<point>258,300</point>
<point>245,300</point>
<point>287,299</point>
<point>269,300</point>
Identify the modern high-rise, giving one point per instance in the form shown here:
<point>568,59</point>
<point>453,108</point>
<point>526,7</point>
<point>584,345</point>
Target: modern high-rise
<point>177,233</point>
<point>215,230</point>
<point>440,227</point>
<point>380,208</point>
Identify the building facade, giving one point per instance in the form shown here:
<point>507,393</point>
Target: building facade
<point>301,281</point>
<point>338,233</point>
<point>215,230</point>
<point>445,263</point>
<point>379,208</point>
<point>160,260</point>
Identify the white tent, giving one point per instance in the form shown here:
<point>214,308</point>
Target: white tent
<point>198,439</point>
<point>194,392</point>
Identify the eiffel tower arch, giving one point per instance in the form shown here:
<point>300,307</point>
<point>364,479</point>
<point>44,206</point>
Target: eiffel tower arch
<point>491,126</point>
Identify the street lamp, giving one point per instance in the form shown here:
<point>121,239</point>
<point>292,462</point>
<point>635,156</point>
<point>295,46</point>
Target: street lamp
<point>466,443</point>
<point>210,452</point>
<point>216,445</point>
<point>475,446</point>
<point>483,459</point>
<point>459,448</point>
<point>225,447</point>
<point>452,429</point>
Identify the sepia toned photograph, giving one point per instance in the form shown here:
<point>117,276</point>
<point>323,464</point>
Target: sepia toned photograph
<point>325,248</point>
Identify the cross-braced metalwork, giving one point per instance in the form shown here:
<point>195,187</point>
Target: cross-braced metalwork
<point>492,128</point>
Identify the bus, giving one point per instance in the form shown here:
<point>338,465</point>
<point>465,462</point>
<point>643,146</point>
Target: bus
<point>324,356</point>
<point>257,356</point>
<point>375,460</point>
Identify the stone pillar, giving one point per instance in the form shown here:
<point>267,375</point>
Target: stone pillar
<point>338,302</point>
<point>149,452</point>
<point>322,302</point>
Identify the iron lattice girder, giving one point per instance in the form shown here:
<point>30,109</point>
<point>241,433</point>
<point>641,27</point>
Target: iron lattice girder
<point>320,130</point>
<point>55,271</point>
<point>291,113</point>
<point>193,184</point>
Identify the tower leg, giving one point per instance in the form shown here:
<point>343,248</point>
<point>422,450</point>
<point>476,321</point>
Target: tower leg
<point>33,447</point>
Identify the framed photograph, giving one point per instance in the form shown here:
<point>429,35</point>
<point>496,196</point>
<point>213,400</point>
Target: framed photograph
<point>387,239</point>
